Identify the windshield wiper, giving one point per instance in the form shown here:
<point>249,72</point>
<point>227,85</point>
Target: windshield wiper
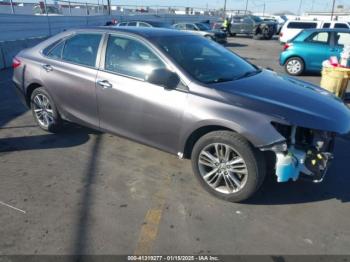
<point>248,74</point>
<point>220,80</point>
<point>227,79</point>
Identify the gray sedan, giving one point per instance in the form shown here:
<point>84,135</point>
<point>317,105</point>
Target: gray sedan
<point>204,30</point>
<point>188,96</point>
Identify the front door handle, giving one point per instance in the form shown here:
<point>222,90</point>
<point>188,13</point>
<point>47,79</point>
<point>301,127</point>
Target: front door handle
<point>104,84</point>
<point>47,68</point>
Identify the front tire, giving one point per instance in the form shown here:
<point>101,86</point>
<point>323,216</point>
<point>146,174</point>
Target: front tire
<point>294,66</point>
<point>228,166</point>
<point>44,111</point>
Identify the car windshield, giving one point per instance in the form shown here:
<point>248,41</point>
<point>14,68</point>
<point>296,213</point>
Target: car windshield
<point>206,61</point>
<point>256,19</point>
<point>202,27</point>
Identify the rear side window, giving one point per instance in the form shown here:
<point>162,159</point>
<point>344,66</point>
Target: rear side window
<point>342,39</point>
<point>132,24</point>
<point>82,49</point>
<point>56,52</point>
<point>340,25</point>
<point>326,25</point>
<point>301,25</point>
<point>319,38</point>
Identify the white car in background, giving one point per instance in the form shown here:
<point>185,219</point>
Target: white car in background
<point>293,27</point>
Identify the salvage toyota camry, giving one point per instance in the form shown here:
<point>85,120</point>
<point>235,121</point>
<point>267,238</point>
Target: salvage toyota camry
<point>188,96</point>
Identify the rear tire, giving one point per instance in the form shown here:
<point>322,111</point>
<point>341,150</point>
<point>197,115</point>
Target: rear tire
<point>44,111</point>
<point>228,166</point>
<point>294,66</point>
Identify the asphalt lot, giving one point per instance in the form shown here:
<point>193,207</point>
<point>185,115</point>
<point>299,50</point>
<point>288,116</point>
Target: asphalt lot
<point>87,192</point>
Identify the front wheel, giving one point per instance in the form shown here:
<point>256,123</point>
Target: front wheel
<point>44,110</point>
<point>228,166</point>
<point>294,66</point>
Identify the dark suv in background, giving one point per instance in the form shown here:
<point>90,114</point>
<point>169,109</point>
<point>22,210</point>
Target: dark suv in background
<point>252,25</point>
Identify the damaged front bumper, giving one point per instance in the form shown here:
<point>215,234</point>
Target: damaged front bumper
<point>305,154</point>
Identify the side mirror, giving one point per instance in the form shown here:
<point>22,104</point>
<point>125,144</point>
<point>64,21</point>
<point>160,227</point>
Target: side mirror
<point>163,77</point>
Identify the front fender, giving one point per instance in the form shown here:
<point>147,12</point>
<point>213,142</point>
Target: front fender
<point>254,126</point>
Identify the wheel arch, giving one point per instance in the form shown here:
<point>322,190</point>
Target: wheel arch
<point>197,134</point>
<point>29,90</point>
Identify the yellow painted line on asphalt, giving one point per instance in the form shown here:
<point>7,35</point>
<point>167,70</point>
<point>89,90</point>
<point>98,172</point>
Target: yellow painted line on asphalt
<point>150,228</point>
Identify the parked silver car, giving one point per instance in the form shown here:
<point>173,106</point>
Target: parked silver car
<point>204,30</point>
<point>188,96</point>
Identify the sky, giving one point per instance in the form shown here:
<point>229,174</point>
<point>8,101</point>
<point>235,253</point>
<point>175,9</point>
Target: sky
<point>253,5</point>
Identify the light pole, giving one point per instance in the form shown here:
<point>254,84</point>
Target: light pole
<point>299,10</point>
<point>224,8</point>
<point>264,8</point>
<point>246,7</point>
<point>333,10</point>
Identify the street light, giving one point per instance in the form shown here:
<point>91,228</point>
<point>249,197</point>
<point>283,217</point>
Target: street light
<point>246,7</point>
<point>299,10</point>
<point>333,10</point>
<point>225,9</point>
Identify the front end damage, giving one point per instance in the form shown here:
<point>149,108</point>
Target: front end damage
<point>305,154</point>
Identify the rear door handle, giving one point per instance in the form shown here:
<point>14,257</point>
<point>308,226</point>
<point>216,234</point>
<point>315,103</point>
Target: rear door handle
<point>104,84</point>
<point>47,68</point>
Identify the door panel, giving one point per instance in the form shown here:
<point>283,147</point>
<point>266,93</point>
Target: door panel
<point>317,48</point>
<point>132,107</point>
<point>73,89</point>
<point>69,72</point>
<point>141,111</point>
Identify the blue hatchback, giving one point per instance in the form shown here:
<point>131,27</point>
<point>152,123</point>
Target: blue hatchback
<point>307,51</point>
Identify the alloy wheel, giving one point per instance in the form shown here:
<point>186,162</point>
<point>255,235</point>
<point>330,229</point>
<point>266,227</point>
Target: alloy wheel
<point>43,110</point>
<point>222,168</point>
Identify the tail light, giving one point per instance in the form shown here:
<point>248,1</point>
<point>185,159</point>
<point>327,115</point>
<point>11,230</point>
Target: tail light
<point>286,46</point>
<point>15,63</point>
<point>281,34</point>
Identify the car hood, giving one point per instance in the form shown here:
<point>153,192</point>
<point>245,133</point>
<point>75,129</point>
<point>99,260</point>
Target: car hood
<point>288,99</point>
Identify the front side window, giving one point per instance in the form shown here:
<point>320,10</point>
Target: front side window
<point>190,27</point>
<point>132,24</point>
<point>82,49</point>
<point>342,39</point>
<point>130,57</point>
<point>180,26</point>
<point>327,25</point>
<point>206,61</point>
<point>142,24</point>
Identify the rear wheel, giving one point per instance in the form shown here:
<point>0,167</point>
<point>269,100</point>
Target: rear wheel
<point>294,66</point>
<point>228,166</point>
<point>44,110</point>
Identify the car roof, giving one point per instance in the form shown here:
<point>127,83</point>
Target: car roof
<point>146,32</point>
<point>327,30</point>
<point>145,21</point>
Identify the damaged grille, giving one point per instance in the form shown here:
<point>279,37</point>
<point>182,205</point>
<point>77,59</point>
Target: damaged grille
<point>308,153</point>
